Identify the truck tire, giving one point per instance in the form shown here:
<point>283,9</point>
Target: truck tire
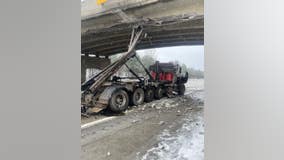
<point>181,89</point>
<point>119,101</point>
<point>159,92</point>
<point>149,95</point>
<point>137,97</point>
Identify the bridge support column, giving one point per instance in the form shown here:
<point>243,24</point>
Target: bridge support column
<point>88,62</point>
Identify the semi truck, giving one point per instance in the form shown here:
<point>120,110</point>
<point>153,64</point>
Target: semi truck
<point>106,91</point>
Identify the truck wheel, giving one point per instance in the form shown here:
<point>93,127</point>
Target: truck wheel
<point>159,93</point>
<point>119,101</point>
<point>181,89</point>
<point>149,95</point>
<point>137,97</point>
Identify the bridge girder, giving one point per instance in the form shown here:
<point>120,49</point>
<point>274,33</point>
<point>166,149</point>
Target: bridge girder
<point>166,23</point>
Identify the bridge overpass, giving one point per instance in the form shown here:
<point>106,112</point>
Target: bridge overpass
<point>106,28</point>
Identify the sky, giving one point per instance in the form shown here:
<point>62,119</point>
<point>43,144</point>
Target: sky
<point>192,56</point>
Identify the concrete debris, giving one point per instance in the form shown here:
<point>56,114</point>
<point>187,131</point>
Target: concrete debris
<point>158,107</point>
<point>167,105</point>
<point>135,121</point>
<point>161,123</point>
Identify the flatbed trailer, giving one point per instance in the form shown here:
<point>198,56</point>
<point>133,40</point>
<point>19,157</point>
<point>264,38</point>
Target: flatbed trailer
<point>106,91</point>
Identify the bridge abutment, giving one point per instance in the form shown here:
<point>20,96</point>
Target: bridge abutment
<point>92,62</point>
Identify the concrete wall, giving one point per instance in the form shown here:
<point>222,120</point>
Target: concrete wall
<point>92,62</point>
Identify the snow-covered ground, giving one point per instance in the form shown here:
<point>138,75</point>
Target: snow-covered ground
<point>187,142</point>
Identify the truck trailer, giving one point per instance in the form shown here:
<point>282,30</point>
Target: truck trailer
<point>108,91</point>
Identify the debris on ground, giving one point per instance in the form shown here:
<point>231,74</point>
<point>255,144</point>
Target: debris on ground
<point>161,123</point>
<point>135,121</point>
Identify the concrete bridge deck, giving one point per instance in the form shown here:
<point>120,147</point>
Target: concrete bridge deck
<point>106,28</point>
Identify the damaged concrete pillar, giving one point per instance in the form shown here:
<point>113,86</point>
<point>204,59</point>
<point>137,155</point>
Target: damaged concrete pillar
<point>88,62</point>
<point>83,70</point>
